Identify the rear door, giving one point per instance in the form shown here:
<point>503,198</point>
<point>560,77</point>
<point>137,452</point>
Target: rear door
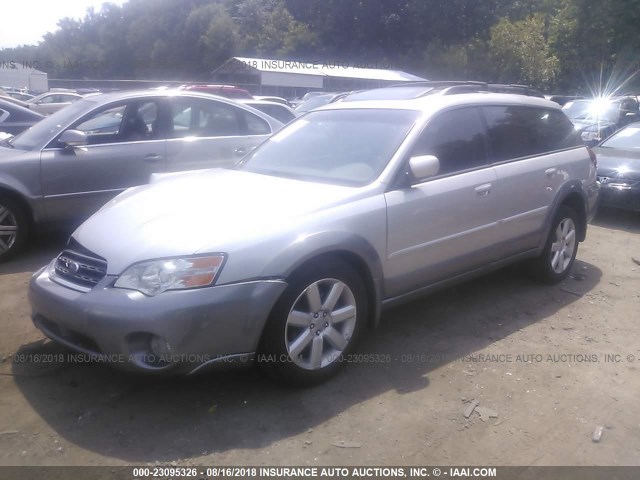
<point>206,133</point>
<point>528,146</point>
<point>445,225</point>
<point>126,145</point>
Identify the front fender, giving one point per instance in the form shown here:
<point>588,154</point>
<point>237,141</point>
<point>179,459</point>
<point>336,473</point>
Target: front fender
<point>339,243</point>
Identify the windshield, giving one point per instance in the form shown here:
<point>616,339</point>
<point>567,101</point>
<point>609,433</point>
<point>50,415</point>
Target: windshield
<point>37,136</point>
<point>626,139</point>
<point>348,147</point>
<point>596,110</point>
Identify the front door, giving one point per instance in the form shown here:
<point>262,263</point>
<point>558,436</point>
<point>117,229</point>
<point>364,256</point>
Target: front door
<point>125,146</point>
<point>445,225</point>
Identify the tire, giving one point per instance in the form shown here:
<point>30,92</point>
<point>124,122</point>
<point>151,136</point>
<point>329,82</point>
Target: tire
<point>14,228</point>
<point>559,254</point>
<point>315,324</point>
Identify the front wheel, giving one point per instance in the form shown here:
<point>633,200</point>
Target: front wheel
<point>559,254</point>
<point>315,324</point>
<point>14,226</point>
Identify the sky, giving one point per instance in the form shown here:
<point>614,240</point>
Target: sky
<point>26,21</point>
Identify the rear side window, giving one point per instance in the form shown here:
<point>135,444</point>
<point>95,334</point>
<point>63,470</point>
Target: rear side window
<point>516,131</point>
<point>457,138</point>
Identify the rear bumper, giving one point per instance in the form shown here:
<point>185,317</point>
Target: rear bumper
<point>203,327</point>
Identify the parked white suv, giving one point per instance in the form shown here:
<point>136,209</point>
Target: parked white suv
<point>348,209</point>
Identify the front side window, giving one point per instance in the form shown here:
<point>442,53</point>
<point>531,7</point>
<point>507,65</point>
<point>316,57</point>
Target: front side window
<point>517,131</point>
<point>457,138</point>
<point>124,122</point>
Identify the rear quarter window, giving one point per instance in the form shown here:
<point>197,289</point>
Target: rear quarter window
<point>518,131</point>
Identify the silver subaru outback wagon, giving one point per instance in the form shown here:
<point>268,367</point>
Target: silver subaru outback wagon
<point>287,258</point>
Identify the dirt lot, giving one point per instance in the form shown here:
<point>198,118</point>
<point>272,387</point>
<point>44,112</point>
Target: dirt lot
<point>535,355</point>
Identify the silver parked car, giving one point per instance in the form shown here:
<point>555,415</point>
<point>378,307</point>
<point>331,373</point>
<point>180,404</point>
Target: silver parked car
<point>50,102</point>
<point>349,209</point>
<point>68,165</point>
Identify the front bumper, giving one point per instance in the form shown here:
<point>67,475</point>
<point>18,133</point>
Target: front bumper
<point>620,196</point>
<point>204,327</point>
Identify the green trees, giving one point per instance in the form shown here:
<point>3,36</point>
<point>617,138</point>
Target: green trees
<point>547,43</point>
<point>521,53</point>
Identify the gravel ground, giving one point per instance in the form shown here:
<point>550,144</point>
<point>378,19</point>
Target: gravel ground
<point>547,365</point>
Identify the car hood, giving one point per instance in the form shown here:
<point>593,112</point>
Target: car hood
<point>7,153</point>
<point>618,163</point>
<point>202,211</point>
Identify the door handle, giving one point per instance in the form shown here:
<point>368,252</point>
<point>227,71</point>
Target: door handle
<point>550,172</point>
<point>152,158</point>
<point>240,151</point>
<point>483,190</point>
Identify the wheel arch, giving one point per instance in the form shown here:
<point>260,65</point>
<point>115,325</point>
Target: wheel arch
<point>351,249</point>
<point>8,192</point>
<point>571,194</point>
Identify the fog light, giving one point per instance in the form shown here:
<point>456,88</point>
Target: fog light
<point>160,347</point>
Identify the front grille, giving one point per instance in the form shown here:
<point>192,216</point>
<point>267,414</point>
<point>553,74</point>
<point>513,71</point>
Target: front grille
<point>79,266</point>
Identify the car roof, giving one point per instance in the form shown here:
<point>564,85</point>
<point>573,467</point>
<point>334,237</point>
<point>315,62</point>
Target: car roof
<point>132,94</point>
<point>430,104</point>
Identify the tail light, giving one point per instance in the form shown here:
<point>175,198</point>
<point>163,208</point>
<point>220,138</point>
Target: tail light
<point>593,156</point>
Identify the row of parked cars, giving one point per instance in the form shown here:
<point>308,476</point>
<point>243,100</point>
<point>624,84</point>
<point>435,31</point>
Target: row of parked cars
<point>288,254</point>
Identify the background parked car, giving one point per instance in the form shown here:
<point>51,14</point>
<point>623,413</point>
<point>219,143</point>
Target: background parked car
<point>227,91</point>
<point>50,102</point>
<point>280,112</point>
<point>15,119</point>
<point>281,100</point>
<point>597,118</point>
<point>21,96</point>
<point>6,97</point>
<point>74,161</point>
<point>317,101</point>
<point>619,168</point>
<point>562,100</point>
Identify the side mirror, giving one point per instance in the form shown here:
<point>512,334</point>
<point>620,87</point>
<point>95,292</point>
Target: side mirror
<point>424,166</point>
<point>73,138</point>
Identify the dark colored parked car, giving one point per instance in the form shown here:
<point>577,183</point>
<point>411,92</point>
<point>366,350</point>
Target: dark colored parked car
<point>15,119</point>
<point>619,169</point>
<point>597,118</point>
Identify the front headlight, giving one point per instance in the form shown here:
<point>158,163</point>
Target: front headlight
<point>157,276</point>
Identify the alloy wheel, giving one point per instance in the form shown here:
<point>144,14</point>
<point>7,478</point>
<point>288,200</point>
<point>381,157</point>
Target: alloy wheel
<point>320,324</point>
<point>563,246</point>
<point>8,229</point>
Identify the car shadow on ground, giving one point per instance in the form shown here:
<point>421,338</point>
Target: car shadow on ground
<point>38,252</point>
<point>617,219</point>
<point>146,419</point>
